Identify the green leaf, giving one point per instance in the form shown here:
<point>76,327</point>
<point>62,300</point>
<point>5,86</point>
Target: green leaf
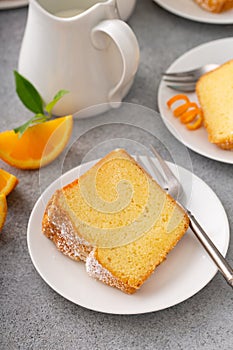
<point>22,128</point>
<point>37,119</point>
<point>34,102</point>
<point>28,94</point>
<point>56,98</point>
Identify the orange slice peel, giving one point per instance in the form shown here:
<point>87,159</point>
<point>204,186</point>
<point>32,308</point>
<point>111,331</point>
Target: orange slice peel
<point>3,210</point>
<point>38,146</point>
<point>7,182</point>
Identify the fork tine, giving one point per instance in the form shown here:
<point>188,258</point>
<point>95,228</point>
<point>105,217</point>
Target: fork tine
<point>162,163</point>
<point>159,176</point>
<point>165,176</point>
<point>178,74</point>
<point>166,170</point>
<point>157,173</point>
<point>196,72</point>
<point>184,88</point>
<point>138,159</point>
<point>182,73</point>
<point>180,84</point>
<point>182,80</point>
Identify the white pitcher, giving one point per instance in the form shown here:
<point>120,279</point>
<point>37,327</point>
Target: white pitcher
<point>80,46</point>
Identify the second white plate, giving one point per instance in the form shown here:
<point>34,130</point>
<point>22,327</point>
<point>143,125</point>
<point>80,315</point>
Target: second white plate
<point>10,4</point>
<point>218,51</point>
<point>186,271</point>
<point>190,10</point>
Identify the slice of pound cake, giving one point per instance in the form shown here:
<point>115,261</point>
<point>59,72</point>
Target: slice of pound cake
<point>215,94</point>
<point>117,219</point>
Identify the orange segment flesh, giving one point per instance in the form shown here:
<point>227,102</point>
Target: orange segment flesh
<point>3,210</point>
<point>7,182</point>
<point>38,146</point>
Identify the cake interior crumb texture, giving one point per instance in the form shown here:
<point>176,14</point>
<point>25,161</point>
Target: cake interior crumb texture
<point>215,94</point>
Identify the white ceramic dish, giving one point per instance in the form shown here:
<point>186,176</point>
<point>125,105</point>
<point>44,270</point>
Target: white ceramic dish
<point>186,271</point>
<point>8,4</point>
<point>125,7</point>
<point>190,10</point>
<point>121,52</point>
<point>218,51</point>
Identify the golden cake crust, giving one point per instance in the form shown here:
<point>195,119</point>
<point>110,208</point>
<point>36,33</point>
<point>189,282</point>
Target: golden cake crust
<point>57,226</point>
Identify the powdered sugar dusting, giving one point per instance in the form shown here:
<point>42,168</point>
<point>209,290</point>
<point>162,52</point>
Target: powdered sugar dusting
<point>59,228</point>
<point>97,271</point>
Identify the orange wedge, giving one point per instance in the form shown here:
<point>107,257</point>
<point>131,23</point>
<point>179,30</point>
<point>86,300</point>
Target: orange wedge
<point>3,209</point>
<point>7,182</point>
<point>38,146</point>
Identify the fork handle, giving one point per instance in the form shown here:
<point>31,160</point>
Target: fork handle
<point>211,249</point>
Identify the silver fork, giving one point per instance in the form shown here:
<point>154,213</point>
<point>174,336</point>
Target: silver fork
<point>174,188</point>
<point>186,80</point>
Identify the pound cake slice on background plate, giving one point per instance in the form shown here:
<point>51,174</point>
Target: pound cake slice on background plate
<point>117,219</point>
<point>216,6</point>
<point>215,94</point>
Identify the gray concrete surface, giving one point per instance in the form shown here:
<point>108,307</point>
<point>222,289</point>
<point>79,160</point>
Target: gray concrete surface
<point>32,315</point>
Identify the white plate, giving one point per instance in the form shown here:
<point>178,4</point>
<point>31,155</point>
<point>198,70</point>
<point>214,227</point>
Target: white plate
<point>186,270</point>
<point>8,4</point>
<point>218,51</point>
<point>190,10</point>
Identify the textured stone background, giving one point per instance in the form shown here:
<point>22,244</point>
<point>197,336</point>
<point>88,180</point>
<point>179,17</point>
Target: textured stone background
<point>32,315</point>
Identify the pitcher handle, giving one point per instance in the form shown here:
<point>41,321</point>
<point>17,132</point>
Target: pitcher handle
<point>127,44</point>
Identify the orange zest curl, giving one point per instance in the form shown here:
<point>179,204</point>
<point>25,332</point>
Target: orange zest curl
<point>189,113</point>
<point>197,123</point>
<point>179,111</point>
<point>189,116</point>
<point>177,98</point>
